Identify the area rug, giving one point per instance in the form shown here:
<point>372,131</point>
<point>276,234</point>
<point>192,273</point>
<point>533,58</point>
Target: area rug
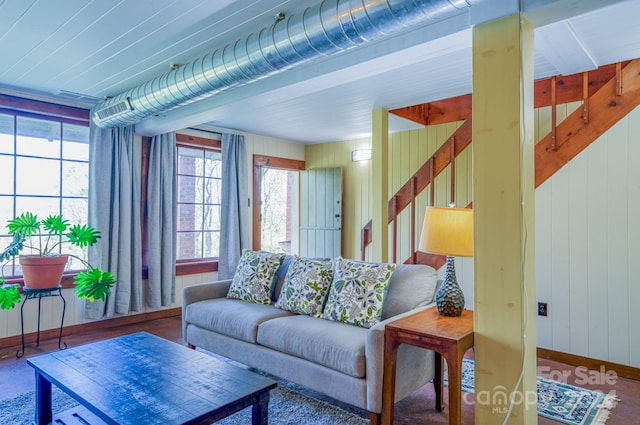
<point>286,407</point>
<point>558,401</point>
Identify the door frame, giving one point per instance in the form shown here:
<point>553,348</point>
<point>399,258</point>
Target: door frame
<point>260,162</point>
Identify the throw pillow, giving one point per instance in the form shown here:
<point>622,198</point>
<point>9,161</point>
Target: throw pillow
<point>357,292</point>
<point>254,276</point>
<point>306,285</point>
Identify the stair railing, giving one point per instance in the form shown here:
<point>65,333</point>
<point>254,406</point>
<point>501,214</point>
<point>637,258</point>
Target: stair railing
<point>605,100</point>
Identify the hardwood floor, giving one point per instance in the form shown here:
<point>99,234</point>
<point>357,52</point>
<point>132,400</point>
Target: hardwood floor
<point>17,377</point>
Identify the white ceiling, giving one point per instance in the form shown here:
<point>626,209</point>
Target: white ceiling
<point>79,51</point>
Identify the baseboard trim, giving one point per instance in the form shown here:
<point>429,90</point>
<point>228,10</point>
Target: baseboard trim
<point>621,370</point>
<point>29,338</point>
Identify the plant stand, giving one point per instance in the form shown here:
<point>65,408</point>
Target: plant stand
<point>39,294</point>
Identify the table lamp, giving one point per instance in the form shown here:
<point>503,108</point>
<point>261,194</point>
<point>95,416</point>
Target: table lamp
<point>448,231</point>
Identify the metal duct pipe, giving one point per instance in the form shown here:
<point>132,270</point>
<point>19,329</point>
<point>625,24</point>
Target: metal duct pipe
<point>332,26</point>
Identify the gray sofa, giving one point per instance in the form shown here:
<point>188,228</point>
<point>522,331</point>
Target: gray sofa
<point>340,360</point>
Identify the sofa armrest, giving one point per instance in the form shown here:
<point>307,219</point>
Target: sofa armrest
<point>414,366</point>
<point>200,292</point>
<point>205,291</point>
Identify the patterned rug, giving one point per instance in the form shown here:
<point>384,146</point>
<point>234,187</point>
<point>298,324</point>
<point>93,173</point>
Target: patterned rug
<point>558,401</point>
<point>286,407</point>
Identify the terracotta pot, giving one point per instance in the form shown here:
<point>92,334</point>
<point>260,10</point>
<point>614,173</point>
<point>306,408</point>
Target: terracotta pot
<point>42,272</point>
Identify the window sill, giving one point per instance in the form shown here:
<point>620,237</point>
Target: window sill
<point>195,267</point>
<point>67,281</point>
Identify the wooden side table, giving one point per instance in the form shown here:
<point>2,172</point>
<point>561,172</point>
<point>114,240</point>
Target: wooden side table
<point>448,337</point>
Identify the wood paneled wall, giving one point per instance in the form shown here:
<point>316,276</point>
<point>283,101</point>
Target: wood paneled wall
<point>587,230</point>
<point>587,249</point>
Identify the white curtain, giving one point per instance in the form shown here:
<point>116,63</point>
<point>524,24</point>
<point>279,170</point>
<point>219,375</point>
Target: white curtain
<point>114,209</point>
<point>161,217</point>
<point>234,217</point>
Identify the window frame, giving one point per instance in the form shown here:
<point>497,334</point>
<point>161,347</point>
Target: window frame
<point>62,114</point>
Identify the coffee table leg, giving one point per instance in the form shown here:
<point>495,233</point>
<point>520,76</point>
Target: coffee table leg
<point>43,400</point>
<point>260,410</point>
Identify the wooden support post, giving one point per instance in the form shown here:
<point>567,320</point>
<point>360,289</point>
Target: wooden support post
<point>432,186</point>
<point>395,229</point>
<point>585,97</point>
<point>380,185</point>
<point>414,194</point>
<point>503,215</point>
<point>364,236</point>
<point>553,114</point>
<point>452,160</point>
<point>618,79</point>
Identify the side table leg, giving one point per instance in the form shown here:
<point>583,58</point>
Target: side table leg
<point>438,380</point>
<point>39,305</point>
<point>454,365</point>
<point>260,410</point>
<point>389,379</point>
<point>64,307</point>
<point>43,415</point>
<point>20,351</point>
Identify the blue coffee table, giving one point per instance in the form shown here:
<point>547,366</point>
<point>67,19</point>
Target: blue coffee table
<point>143,379</point>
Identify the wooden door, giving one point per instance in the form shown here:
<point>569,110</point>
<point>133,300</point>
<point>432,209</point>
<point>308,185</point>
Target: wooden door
<point>321,212</point>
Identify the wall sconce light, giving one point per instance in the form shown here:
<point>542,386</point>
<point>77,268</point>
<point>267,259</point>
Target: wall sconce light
<point>361,155</point>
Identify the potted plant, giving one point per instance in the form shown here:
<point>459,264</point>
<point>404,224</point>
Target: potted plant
<point>43,238</point>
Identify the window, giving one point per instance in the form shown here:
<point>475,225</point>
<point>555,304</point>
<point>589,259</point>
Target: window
<point>199,177</point>
<point>44,166</point>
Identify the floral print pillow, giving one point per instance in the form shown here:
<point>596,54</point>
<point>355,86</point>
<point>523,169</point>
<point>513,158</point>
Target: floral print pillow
<point>255,276</point>
<point>306,285</point>
<point>357,292</point>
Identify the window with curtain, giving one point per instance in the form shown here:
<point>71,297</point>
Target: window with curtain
<point>198,172</point>
<point>44,167</point>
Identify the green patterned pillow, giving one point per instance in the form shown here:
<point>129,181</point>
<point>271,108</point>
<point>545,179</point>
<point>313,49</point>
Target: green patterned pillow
<point>305,286</point>
<point>254,276</point>
<point>357,292</point>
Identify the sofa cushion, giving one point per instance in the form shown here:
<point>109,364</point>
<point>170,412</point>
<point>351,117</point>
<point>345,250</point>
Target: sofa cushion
<point>255,276</point>
<point>280,276</point>
<point>357,292</point>
<point>234,318</point>
<point>306,286</point>
<point>331,344</point>
<point>411,286</point>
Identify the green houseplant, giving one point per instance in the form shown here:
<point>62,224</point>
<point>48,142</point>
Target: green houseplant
<point>43,238</point>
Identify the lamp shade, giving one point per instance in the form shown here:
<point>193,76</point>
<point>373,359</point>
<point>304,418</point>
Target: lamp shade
<point>447,231</point>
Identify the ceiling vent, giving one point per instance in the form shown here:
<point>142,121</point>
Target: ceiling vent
<point>115,110</point>
<point>79,97</point>
<point>331,27</point>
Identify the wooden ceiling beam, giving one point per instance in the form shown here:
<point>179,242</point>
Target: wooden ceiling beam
<point>438,112</point>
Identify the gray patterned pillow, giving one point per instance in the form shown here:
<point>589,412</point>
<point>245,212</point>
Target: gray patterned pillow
<point>305,286</point>
<point>357,292</point>
<point>254,276</point>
